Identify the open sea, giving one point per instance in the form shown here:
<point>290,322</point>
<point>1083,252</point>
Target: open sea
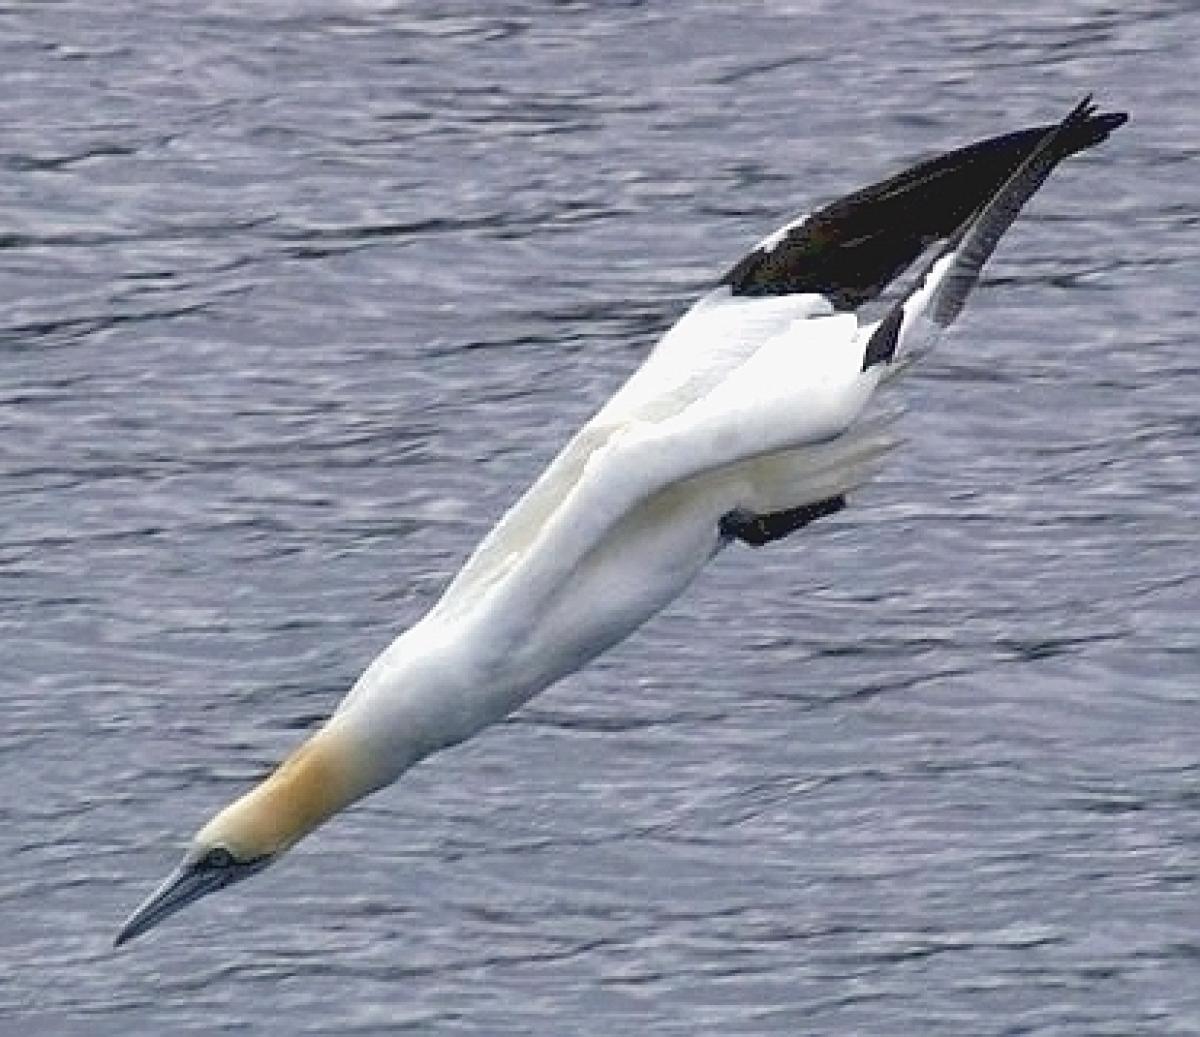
<point>297,297</point>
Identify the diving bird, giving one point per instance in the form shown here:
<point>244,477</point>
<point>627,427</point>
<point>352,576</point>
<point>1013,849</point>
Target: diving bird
<point>747,421</point>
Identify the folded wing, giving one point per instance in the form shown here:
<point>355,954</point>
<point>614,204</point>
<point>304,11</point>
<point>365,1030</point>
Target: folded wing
<point>802,388</point>
<point>754,393</point>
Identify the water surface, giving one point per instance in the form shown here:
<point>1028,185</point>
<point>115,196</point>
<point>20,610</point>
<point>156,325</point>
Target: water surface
<point>297,297</point>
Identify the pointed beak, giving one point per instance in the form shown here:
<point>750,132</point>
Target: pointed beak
<point>189,882</point>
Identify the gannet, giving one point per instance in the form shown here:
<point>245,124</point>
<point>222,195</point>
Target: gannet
<point>746,422</point>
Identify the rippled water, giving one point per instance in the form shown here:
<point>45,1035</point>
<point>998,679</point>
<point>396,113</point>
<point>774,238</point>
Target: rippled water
<point>297,297</point>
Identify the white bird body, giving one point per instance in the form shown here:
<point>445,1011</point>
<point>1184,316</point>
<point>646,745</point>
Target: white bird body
<point>746,422</point>
<point>628,513</point>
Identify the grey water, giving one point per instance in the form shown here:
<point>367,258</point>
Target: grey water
<point>295,298</point>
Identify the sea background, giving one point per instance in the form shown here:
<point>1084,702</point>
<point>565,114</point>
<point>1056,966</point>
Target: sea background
<point>296,297</point>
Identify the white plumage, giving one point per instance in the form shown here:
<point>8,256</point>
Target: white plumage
<point>629,512</point>
<point>746,422</point>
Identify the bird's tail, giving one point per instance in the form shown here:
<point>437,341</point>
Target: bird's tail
<point>914,322</point>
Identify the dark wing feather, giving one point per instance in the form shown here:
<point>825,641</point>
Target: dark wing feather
<point>956,267</point>
<point>850,250</point>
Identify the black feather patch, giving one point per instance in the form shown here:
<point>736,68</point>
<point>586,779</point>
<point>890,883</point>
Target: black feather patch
<point>850,250</point>
<point>757,530</point>
<point>882,345</point>
<point>973,243</point>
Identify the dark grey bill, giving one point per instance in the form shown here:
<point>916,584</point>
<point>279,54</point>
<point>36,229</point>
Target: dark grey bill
<point>196,877</point>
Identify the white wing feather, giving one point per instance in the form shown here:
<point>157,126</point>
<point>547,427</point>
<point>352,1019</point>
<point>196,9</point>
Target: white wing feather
<point>802,387</point>
<point>715,337</point>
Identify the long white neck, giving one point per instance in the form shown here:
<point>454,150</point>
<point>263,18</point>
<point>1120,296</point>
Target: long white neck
<point>421,694</point>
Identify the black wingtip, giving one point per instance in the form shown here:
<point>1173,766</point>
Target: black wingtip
<point>881,346</point>
<point>1086,128</point>
<point>1109,121</point>
<point>851,249</point>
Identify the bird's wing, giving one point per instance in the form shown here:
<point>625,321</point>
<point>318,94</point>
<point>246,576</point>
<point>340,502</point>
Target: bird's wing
<point>765,365</point>
<point>915,321</point>
<point>713,338</point>
<point>802,388</point>
<point>720,332</point>
<point>852,249</point>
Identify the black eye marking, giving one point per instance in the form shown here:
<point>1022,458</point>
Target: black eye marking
<point>216,858</point>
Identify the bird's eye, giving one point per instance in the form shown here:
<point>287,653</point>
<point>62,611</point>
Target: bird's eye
<point>218,857</point>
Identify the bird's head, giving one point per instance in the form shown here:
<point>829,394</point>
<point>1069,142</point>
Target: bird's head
<point>316,781</point>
